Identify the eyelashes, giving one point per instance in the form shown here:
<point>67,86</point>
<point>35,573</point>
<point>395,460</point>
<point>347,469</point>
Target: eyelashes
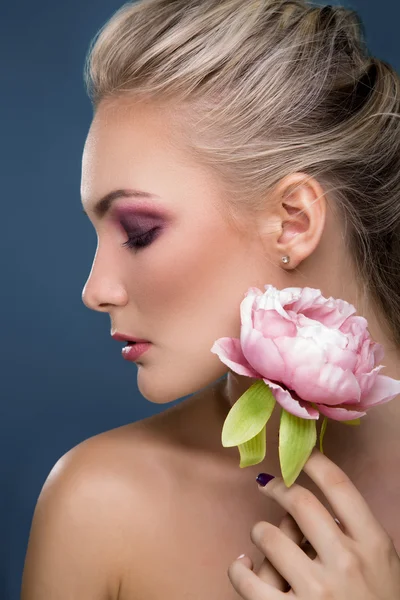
<point>141,230</point>
<point>138,242</point>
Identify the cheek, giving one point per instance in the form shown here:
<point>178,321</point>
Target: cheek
<point>196,286</point>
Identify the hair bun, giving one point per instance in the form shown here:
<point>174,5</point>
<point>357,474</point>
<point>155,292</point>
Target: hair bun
<point>344,28</point>
<point>325,14</point>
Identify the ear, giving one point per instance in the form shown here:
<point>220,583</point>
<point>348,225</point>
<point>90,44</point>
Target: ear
<point>299,214</point>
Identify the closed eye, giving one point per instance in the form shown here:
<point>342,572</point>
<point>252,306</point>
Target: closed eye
<point>141,241</point>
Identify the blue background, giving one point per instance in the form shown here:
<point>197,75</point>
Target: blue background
<point>62,376</point>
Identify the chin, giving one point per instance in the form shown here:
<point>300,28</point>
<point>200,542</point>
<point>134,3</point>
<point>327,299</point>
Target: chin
<point>164,389</point>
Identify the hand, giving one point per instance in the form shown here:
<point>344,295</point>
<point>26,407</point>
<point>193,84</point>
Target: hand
<point>356,561</point>
<point>267,572</point>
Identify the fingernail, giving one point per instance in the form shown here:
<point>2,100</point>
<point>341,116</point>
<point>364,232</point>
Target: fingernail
<point>263,478</point>
<point>241,556</point>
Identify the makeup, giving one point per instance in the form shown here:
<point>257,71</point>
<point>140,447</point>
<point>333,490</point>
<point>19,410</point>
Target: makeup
<point>133,351</point>
<point>138,220</point>
<point>139,211</point>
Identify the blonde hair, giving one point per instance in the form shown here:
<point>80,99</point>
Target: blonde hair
<point>265,88</point>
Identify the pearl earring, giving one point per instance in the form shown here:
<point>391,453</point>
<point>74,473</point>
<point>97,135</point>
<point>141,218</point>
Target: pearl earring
<point>285,259</point>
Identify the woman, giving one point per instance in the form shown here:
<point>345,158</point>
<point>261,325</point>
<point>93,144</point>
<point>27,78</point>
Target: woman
<point>227,136</point>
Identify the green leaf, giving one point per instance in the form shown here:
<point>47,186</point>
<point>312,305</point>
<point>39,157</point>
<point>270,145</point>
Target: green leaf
<point>253,451</point>
<point>297,438</point>
<point>322,433</point>
<point>249,415</point>
<point>352,422</point>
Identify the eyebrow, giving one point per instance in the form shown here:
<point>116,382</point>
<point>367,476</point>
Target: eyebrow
<point>103,205</point>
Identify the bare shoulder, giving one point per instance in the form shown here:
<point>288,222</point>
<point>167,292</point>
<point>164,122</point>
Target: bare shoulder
<point>90,515</point>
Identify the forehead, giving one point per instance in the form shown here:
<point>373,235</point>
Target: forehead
<point>122,140</point>
<point>141,146</point>
<point>130,145</point>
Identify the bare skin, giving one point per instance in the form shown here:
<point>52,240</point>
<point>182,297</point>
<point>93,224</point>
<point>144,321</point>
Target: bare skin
<point>213,504</point>
<point>194,507</point>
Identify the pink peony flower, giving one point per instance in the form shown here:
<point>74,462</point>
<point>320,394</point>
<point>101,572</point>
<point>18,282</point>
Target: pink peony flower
<point>314,354</point>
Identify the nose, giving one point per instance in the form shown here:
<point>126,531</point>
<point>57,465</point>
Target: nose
<point>103,288</point>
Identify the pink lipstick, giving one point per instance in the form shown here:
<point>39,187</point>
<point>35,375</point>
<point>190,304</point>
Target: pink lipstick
<point>132,351</point>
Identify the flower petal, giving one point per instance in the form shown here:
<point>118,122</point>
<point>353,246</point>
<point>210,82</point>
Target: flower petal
<point>299,352</point>
<point>329,384</point>
<point>379,352</point>
<point>329,311</point>
<point>284,398</point>
<point>271,324</point>
<point>246,307</point>
<point>356,325</point>
<point>339,414</point>
<point>367,380</point>
<point>384,389</point>
<point>321,334</point>
<point>365,357</point>
<point>341,357</point>
<point>229,351</point>
<point>263,355</point>
<point>274,299</point>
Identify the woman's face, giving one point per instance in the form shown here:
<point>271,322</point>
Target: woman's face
<point>183,290</point>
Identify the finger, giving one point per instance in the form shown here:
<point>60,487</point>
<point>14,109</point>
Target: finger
<point>246,560</point>
<point>267,571</point>
<point>248,585</point>
<point>289,526</point>
<point>286,556</point>
<point>312,517</point>
<point>347,503</point>
<point>310,551</point>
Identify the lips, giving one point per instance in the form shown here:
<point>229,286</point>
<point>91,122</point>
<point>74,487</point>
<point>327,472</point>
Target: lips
<point>132,352</point>
<point>122,337</point>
